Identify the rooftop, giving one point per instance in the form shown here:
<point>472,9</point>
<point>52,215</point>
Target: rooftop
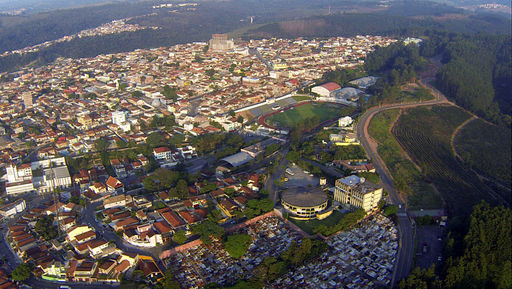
<point>304,197</point>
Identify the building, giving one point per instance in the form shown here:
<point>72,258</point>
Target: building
<point>357,192</point>
<point>220,43</point>
<point>117,201</point>
<point>13,208</point>
<point>306,203</point>
<point>344,139</point>
<point>328,89</point>
<point>345,121</point>
<point>19,179</point>
<point>162,154</point>
<point>27,99</point>
<point>119,117</point>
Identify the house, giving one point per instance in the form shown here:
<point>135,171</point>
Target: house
<point>147,265</point>
<point>122,224</point>
<point>107,267</point>
<point>227,206</point>
<point>77,230</point>
<point>85,237</point>
<point>162,154</point>
<point>83,272</point>
<point>114,185</point>
<point>117,201</point>
<point>96,247</point>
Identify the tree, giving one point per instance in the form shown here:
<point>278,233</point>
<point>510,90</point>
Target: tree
<point>101,144</point>
<point>21,272</point>
<point>155,139</point>
<point>207,229</point>
<point>240,119</point>
<point>182,189</point>
<point>44,226</point>
<point>179,237</point>
<point>237,245</point>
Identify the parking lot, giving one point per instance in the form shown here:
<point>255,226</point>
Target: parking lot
<point>299,178</point>
<point>428,235</point>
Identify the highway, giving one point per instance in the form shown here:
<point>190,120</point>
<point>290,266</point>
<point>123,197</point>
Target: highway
<point>406,240</point>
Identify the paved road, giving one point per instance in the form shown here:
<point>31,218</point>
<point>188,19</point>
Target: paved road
<point>89,217</point>
<point>270,182</point>
<point>406,241</point>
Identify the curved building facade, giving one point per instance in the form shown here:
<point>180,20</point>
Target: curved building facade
<point>305,203</point>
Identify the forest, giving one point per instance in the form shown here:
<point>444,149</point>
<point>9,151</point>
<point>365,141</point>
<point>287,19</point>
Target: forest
<point>477,256</point>
<point>476,72</point>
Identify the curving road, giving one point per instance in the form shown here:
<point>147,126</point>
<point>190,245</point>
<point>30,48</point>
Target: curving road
<point>406,240</point>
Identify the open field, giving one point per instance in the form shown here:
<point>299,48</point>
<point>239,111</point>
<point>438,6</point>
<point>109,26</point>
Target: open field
<point>406,176</point>
<point>324,111</point>
<point>425,134</point>
<point>415,94</point>
<point>308,226</point>
<point>486,148</point>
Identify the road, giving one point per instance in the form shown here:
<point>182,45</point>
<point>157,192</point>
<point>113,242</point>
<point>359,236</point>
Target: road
<point>406,240</point>
<point>270,182</point>
<point>89,217</point>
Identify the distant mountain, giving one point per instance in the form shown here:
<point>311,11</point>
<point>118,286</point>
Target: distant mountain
<point>34,6</point>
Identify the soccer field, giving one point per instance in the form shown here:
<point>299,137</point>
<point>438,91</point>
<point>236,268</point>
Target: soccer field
<point>324,111</point>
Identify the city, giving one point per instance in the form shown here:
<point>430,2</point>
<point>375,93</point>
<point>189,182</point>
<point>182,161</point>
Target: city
<point>260,151</point>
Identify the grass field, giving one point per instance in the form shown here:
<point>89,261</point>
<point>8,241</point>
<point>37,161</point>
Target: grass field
<point>486,148</point>
<point>407,178</point>
<point>301,97</point>
<point>308,226</point>
<point>324,111</point>
<point>425,134</point>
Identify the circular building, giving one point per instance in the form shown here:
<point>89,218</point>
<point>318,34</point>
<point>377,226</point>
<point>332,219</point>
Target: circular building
<point>305,203</point>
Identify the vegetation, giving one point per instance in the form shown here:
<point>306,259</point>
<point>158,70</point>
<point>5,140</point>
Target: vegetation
<point>334,223</point>
<point>21,272</point>
<point>406,176</point>
<point>207,229</point>
<point>257,207</point>
<point>371,177</point>
<point>308,116</point>
<point>237,245</point>
<point>343,76</point>
<point>480,84</point>
<point>425,134</point>
<point>485,258</point>
<point>164,179</point>
<point>45,228</point>
<point>486,149</point>
<point>224,144</point>
<point>179,237</point>
<point>399,64</point>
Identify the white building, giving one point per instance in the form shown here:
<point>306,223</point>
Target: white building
<point>13,208</point>
<point>345,121</point>
<point>162,154</point>
<point>328,89</point>
<point>19,179</point>
<point>119,117</point>
<point>356,192</point>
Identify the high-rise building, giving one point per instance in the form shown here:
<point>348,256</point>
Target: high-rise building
<point>220,43</point>
<point>27,99</point>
